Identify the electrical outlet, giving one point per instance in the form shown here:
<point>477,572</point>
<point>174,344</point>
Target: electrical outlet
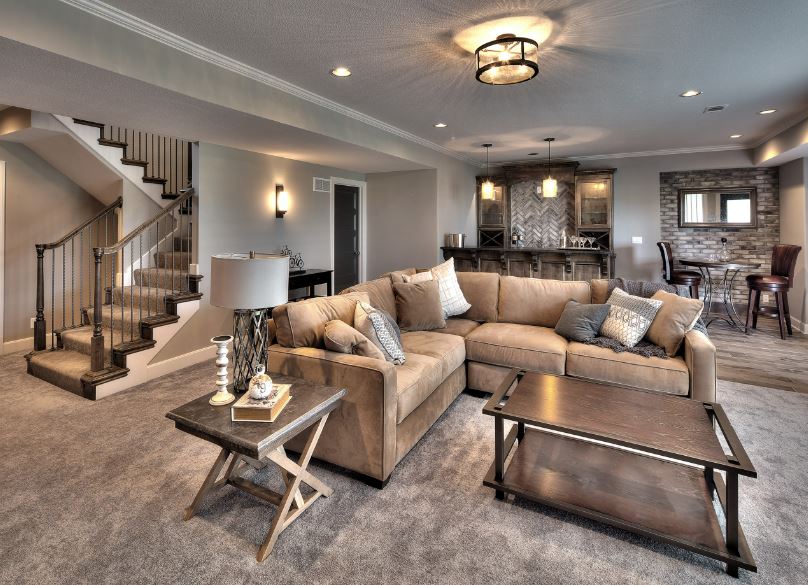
<point>636,239</point>
<point>33,320</point>
<point>764,297</point>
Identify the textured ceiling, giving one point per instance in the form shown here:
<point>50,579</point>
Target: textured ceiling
<point>610,71</point>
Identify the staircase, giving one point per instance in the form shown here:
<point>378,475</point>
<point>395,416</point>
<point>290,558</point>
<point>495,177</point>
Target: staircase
<point>109,303</point>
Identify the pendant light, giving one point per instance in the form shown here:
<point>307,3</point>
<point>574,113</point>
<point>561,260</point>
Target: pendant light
<point>549,186</point>
<point>487,188</point>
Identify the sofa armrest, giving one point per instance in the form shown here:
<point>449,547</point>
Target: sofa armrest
<point>361,433</point>
<point>699,354</point>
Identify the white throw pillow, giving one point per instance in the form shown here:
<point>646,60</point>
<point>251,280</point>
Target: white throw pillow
<point>629,317</point>
<point>451,297</point>
<point>419,277</point>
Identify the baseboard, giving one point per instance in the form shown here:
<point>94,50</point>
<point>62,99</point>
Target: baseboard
<point>799,325</point>
<point>26,344</point>
<point>157,369</point>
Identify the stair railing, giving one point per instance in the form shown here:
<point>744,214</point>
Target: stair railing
<point>165,157</point>
<point>76,263</point>
<point>163,242</point>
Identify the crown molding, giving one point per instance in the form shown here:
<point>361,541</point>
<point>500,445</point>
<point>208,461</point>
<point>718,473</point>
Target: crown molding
<point>663,152</point>
<point>168,38</point>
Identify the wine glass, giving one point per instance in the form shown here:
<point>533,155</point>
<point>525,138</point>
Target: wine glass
<point>590,242</point>
<point>574,241</point>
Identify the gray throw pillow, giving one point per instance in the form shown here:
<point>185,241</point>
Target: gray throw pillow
<point>381,329</point>
<point>579,322</point>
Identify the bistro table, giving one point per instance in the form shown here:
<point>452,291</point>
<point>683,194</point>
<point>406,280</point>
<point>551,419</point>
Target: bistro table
<point>720,285</point>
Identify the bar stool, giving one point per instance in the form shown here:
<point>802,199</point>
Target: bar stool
<point>784,261</point>
<point>688,278</point>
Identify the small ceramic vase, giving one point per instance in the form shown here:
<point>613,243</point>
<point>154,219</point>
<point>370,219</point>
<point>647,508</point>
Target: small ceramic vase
<point>260,384</point>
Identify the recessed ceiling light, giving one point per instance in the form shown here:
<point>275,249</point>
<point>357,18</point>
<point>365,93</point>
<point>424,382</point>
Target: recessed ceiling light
<point>764,112</point>
<point>440,124</point>
<point>736,135</point>
<point>340,72</point>
<point>533,154</point>
<point>690,93</point>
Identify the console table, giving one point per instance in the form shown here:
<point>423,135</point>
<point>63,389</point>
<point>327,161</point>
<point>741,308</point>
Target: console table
<point>311,278</point>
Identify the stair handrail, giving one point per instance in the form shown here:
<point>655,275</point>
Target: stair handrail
<point>111,207</point>
<point>166,211</point>
<point>97,358</point>
<point>40,324</point>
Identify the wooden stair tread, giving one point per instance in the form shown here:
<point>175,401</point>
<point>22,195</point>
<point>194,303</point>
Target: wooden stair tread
<point>155,180</point>
<point>134,162</point>
<point>88,123</point>
<point>113,143</point>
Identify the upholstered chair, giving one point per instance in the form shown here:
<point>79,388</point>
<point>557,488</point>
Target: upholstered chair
<point>784,261</point>
<point>688,278</point>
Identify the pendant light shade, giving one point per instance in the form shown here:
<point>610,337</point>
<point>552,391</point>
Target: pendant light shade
<point>507,60</point>
<point>487,188</point>
<point>549,186</point>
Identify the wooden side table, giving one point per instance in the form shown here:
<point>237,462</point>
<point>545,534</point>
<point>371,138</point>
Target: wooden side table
<point>258,444</point>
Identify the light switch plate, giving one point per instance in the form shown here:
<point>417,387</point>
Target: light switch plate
<point>636,239</point>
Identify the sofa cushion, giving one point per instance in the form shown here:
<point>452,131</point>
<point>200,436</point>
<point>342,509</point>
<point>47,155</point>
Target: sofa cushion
<point>416,379</point>
<point>600,290</point>
<point>418,305</point>
<point>342,338</point>
<point>380,292</point>
<point>398,275</point>
<point>302,324</point>
<point>481,290</point>
<point>520,346</point>
<point>449,349</point>
<point>670,376</point>
<point>457,326</point>
<point>537,301</point>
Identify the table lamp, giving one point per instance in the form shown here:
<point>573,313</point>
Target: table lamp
<point>250,284</point>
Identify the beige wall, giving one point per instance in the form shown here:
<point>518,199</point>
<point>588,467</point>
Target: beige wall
<point>794,228</point>
<point>236,213</point>
<point>636,203</point>
<point>402,220</point>
<point>42,205</point>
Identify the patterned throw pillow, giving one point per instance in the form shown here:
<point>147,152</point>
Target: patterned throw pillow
<point>382,331</point>
<point>451,297</point>
<point>629,317</point>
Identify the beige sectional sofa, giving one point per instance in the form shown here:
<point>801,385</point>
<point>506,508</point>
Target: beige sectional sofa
<point>510,324</point>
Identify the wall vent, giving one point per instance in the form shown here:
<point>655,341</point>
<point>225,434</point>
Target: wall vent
<point>717,108</point>
<point>322,185</point>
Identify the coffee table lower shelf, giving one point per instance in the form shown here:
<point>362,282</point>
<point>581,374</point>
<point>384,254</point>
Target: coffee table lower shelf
<point>664,500</point>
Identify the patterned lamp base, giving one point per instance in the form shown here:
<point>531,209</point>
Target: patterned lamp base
<point>249,345</point>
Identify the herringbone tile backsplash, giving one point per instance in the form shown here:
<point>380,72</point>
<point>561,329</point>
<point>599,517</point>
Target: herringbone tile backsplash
<point>541,220</point>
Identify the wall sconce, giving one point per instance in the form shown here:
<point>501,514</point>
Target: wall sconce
<point>281,201</point>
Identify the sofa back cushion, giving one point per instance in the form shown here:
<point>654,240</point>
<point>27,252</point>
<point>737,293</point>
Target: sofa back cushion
<point>302,324</point>
<point>600,290</point>
<point>380,292</point>
<point>537,301</point>
<point>481,290</point>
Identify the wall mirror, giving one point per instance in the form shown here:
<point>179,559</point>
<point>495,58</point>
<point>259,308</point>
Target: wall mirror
<point>719,208</point>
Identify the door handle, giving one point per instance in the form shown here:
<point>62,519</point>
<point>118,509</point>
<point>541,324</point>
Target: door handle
<point>356,253</point>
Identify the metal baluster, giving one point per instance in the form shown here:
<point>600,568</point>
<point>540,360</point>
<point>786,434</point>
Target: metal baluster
<point>148,263</point>
<point>174,227</point>
<point>132,291</point>
<point>81,269</point>
<point>159,162</point>
<point>53,293</point>
<point>64,305</point>
<point>123,290</point>
<point>113,258</point>
<point>157,261</point>
<point>73,281</point>
<point>140,263</point>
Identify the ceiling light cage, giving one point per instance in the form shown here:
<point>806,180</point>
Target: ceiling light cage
<point>507,60</point>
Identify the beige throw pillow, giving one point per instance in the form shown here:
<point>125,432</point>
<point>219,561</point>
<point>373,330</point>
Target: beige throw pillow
<point>675,318</point>
<point>420,277</point>
<point>342,338</point>
<point>418,306</point>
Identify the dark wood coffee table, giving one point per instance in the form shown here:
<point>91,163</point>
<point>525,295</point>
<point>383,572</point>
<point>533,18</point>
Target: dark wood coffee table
<point>258,443</point>
<point>608,465</point>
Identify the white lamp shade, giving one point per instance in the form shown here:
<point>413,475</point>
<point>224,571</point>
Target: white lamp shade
<point>549,188</point>
<point>239,281</point>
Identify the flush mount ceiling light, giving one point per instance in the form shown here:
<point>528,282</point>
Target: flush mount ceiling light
<point>549,186</point>
<point>764,112</point>
<point>341,72</point>
<point>487,188</point>
<point>690,93</point>
<point>507,60</point>
<point>736,135</point>
<point>440,124</point>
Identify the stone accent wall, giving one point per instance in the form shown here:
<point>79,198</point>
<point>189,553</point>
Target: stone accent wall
<point>750,244</point>
<point>542,220</point>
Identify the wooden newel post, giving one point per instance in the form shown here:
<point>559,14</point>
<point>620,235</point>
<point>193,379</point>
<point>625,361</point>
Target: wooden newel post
<point>39,324</point>
<point>97,343</point>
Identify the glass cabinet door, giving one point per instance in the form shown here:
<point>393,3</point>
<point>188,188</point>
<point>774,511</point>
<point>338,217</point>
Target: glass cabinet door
<point>492,211</point>
<point>594,202</point>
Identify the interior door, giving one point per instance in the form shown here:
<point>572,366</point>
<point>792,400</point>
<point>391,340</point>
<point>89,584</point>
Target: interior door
<point>346,236</point>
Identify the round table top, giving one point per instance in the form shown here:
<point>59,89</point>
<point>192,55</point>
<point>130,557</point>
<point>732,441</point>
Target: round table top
<point>731,264</point>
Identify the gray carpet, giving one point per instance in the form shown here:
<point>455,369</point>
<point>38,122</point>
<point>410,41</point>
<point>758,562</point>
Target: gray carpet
<point>93,493</point>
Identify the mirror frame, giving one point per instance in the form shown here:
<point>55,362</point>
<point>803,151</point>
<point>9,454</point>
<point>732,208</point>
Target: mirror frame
<point>751,191</point>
